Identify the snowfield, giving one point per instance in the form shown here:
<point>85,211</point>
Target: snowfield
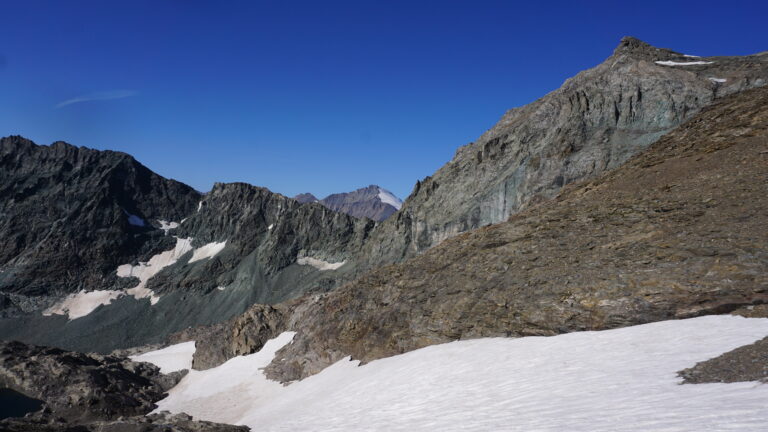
<point>388,197</point>
<point>614,380</point>
<point>674,63</point>
<point>145,270</point>
<point>207,251</point>
<point>169,359</point>
<point>82,303</point>
<point>319,264</point>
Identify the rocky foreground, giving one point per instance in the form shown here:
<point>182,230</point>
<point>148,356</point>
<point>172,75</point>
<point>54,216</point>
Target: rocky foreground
<point>678,231</point>
<point>90,392</point>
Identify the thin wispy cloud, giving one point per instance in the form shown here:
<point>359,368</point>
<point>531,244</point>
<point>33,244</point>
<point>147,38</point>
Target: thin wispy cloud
<point>98,96</point>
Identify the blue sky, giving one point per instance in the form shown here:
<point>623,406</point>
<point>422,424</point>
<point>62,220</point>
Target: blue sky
<point>316,96</point>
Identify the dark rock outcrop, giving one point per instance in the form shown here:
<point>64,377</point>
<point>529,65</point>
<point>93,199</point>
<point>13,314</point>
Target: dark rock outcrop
<point>82,387</point>
<point>160,422</point>
<point>747,363</point>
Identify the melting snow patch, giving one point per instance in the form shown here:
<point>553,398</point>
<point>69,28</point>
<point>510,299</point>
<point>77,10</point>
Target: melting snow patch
<point>145,270</point>
<point>207,251</point>
<point>82,303</point>
<point>718,80</point>
<point>319,264</point>
<point>674,63</point>
<point>230,390</point>
<point>167,226</point>
<point>170,359</point>
<point>388,197</point>
<point>618,380</point>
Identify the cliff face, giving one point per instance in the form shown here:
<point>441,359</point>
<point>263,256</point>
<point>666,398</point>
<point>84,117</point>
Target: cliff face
<point>70,215</point>
<point>678,231</point>
<point>593,123</point>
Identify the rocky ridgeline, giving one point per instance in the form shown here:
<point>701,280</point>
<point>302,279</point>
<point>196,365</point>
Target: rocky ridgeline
<point>70,215</point>
<point>593,123</point>
<point>678,231</point>
<point>265,234</point>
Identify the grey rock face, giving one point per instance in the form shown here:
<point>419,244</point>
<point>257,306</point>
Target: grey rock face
<point>70,215</point>
<point>593,123</point>
<point>266,236</point>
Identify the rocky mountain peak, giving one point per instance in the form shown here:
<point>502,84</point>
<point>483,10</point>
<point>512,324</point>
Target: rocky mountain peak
<point>372,202</point>
<point>305,198</point>
<point>634,48</point>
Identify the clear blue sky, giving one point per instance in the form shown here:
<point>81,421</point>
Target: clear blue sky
<point>317,96</point>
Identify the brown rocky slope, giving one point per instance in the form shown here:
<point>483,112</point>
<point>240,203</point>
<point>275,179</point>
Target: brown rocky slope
<point>676,232</point>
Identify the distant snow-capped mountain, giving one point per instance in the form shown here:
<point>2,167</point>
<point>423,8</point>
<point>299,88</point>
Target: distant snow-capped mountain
<point>373,202</point>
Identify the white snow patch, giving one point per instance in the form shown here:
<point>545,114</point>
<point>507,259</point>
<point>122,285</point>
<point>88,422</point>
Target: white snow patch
<point>167,226</point>
<point>388,197</point>
<point>199,206</point>
<point>82,303</point>
<point>691,56</point>
<point>207,251</point>
<point>135,220</point>
<point>145,270</point>
<point>674,63</point>
<point>221,288</point>
<point>170,359</point>
<point>270,226</point>
<point>617,380</point>
<point>319,264</point>
<point>230,390</point>
<point>718,80</point>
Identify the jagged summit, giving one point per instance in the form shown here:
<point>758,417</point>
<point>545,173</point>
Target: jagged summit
<point>637,48</point>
